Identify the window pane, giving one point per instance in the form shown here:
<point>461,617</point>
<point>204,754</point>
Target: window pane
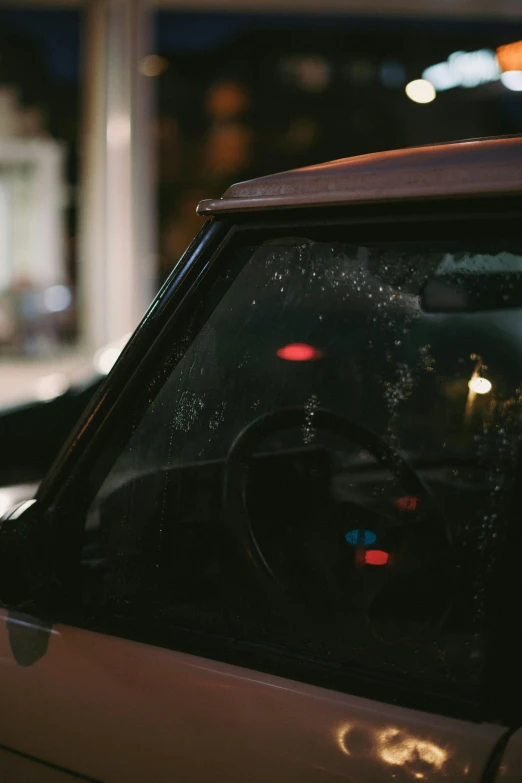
<point>378,521</point>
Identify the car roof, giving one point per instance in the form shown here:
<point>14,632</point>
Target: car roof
<point>473,167</point>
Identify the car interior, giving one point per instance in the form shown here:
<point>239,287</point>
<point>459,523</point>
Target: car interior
<point>347,505</point>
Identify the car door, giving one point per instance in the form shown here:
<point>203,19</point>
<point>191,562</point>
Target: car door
<point>260,551</point>
<point>96,707</point>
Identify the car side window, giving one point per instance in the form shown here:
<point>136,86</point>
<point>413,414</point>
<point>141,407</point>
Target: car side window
<point>324,475</point>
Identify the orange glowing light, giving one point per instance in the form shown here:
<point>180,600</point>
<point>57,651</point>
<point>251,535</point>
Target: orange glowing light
<point>509,57</point>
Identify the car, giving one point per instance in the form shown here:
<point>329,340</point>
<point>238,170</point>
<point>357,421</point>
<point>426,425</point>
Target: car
<point>35,423</point>
<point>283,541</point>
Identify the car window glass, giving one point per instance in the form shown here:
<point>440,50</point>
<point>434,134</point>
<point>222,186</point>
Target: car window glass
<point>377,505</point>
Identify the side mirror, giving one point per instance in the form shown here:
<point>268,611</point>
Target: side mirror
<point>24,554</point>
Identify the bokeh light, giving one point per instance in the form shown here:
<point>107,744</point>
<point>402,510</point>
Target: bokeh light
<point>480,385</point>
<point>299,352</point>
<point>421,91</point>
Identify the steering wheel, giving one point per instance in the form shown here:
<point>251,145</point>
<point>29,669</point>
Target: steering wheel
<point>427,531</point>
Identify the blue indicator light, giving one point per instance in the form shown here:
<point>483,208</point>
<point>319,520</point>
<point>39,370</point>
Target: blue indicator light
<point>366,537</point>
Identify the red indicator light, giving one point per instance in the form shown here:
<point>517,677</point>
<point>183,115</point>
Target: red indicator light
<point>376,557</point>
<point>407,503</point>
<point>299,352</point>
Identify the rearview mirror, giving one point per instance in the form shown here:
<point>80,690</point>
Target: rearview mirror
<point>471,293</point>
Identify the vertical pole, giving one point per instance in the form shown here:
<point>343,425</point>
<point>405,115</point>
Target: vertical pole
<point>116,219</point>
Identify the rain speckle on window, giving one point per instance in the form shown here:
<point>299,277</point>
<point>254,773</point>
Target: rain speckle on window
<point>187,410</point>
<point>310,406</point>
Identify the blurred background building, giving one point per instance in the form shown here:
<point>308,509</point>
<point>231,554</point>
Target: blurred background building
<point>117,117</point>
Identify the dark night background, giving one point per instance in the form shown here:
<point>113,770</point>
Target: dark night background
<point>248,94</point>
